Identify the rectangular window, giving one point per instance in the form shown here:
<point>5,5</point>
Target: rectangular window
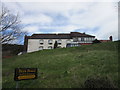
<point>75,39</point>
<point>85,39</point>
<point>82,39</point>
<point>90,39</point>
<point>79,39</point>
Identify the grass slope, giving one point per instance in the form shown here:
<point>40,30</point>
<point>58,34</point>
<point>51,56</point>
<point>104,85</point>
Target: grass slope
<point>64,67</point>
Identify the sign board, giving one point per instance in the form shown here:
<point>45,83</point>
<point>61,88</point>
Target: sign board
<point>25,74</point>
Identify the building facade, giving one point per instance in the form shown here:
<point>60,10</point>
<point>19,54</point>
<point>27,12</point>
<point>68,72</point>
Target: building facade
<point>37,42</point>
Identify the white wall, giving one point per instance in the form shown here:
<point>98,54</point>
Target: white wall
<point>34,44</point>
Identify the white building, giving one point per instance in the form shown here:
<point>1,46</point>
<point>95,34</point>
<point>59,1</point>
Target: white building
<point>46,41</point>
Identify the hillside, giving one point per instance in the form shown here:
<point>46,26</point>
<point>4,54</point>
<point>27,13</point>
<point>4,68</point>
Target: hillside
<point>65,67</point>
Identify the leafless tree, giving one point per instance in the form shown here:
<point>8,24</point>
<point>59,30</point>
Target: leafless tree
<point>10,26</point>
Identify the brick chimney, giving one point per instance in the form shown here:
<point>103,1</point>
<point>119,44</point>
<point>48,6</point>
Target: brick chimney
<point>110,38</point>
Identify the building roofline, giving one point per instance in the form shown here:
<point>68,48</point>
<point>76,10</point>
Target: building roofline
<point>59,35</point>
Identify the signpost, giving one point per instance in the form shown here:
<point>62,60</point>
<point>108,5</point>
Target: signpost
<point>25,74</point>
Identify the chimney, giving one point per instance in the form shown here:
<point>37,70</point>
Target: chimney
<point>110,38</point>
<point>84,33</point>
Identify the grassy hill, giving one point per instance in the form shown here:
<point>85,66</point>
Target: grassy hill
<point>65,67</point>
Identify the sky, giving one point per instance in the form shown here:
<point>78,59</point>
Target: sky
<point>98,18</point>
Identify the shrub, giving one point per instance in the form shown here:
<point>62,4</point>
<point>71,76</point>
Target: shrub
<point>55,45</point>
<point>96,41</point>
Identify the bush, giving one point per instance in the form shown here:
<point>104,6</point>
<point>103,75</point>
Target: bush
<point>98,82</point>
<point>55,45</point>
<point>11,49</point>
<point>96,41</point>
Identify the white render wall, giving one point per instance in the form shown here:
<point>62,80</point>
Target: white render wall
<point>34,44</point>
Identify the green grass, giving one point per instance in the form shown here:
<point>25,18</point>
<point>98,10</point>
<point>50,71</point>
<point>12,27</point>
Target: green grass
<point>64,67</point>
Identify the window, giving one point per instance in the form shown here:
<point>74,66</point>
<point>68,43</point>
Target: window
<point>50,47</point>
<point>41,48</point>
<point>50,41</point>
<point>72,45</point>
<point>86,38</point>
<point>68,41</point>
<point>82,39</point>
<point>75,39</point>
<point>41,41</point>
<point>59,41</point>
<point>89,39</point>
<point>79,39</point>
<point>92,39</point>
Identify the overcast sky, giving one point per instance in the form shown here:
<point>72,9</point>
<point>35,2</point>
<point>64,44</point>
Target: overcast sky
<point>94,18</point>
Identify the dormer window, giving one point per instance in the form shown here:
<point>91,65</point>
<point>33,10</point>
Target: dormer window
<point>50,41</point>
<point>41,41</point>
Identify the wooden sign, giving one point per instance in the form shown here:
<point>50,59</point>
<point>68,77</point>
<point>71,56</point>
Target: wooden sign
<point>25,74</point>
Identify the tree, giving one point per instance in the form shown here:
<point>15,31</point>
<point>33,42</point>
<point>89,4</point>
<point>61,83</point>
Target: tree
<point>10,26</point>
<point>55,44</point>
<point>96,41</point>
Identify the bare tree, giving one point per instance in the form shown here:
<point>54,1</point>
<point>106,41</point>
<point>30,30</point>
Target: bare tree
<point>10,26</point>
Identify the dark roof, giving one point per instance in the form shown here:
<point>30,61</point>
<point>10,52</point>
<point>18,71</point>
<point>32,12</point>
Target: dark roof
<point>77,34</point>
<point>59,36</point>
<point>51,36</point>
